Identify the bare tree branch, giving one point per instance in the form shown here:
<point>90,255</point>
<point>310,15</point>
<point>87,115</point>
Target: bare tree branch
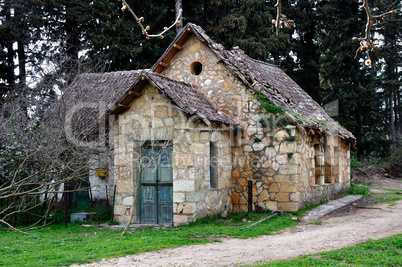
<point>281,19</point>
<point>13,228</point>
<point>147,28</point>
<point>365,42</point>
<point>37,159</point>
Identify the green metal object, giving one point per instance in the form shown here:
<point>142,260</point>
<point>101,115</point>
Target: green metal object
<point>114,197</point>
<point>156,187</point>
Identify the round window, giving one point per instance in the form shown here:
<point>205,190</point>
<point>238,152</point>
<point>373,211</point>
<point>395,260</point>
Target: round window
<point>196,68</point>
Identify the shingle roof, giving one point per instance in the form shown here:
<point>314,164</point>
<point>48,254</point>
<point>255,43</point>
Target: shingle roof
<point>184,95</point>
<point>111,89</point>
<point>267,79</point>
<point>95,87</point>
<point>90,94</point>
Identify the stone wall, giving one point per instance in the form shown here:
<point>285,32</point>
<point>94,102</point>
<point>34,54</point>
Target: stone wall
<point>271,160</point>
<point>215,81</point>
<point>279,160</point>
<point>326,172</point>
<point>153,117</point>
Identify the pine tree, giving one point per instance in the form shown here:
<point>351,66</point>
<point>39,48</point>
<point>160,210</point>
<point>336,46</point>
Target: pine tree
<point>389,55</point>
<point>303,64</point>
<point>341,75</point>
<point>248,25</point>
<point>18,32</point>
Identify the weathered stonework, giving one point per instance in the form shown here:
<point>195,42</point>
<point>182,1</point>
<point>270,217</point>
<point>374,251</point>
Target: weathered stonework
<point>268,136</point>
<point>153,117</point>
<point>280,161</point>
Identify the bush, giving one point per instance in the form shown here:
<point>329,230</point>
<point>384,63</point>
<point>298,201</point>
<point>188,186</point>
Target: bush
<point>394,166</point>
<point>358,189</point>
<point>103,213</point>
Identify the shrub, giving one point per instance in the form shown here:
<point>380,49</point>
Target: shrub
<point>356,189</point>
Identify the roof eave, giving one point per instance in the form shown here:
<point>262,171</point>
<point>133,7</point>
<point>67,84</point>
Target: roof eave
<point>123,103</point>
<point>173,48</point>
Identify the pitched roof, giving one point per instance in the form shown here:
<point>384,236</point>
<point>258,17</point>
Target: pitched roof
<point>184,95</point>
<point>265,78</point>
<point>90,93</point>
<point>107,86</point>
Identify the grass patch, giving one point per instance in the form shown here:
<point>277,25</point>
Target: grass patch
<point>388,189</point>
<point>382,252</point>
<point>389,200</point>
<point>316,223</point>
<point>358,188</point>
<point>59,246</point>
<point>235,226</point>
<point>388,194</point>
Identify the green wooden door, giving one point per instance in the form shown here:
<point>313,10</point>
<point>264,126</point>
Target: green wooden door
<point>156,194</point>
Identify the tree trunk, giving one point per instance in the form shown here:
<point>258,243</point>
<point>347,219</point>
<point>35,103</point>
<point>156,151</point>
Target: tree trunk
<point>10,51</point>
<point>10,64</point>
<point>400,115</point>
<point>360,149</point>
<point>391,121</point>
<point>22,64</point>
<point>396,123</point>
<point>178,8</point>
<point>22,29</point>
<point>72,44</point>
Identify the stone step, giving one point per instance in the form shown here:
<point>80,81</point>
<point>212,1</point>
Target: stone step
<point>320,211</point>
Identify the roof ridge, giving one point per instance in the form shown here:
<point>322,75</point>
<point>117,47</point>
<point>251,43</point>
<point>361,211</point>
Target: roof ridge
<point>112,72</point>
<point>192,86</point>
<point>256,75</point>
<point>165,77</point>
<point>164,86</point>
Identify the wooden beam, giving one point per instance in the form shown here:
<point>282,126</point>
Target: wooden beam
<point>178,46</point>
<point>123,106</point>
<point>134,93</point>
<point>164,64</point>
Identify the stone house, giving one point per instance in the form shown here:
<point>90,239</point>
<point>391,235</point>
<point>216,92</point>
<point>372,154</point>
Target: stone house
<point>208,130</point>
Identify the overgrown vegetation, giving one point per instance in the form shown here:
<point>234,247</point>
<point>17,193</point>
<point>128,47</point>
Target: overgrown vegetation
<point>56,245</point>
<point>383,252</point>
<point>394,163</point>
<point>358,188</point>
<point>290,138</point>
<point>267,104</point>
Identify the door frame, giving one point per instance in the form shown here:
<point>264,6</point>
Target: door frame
<point>162,144</point>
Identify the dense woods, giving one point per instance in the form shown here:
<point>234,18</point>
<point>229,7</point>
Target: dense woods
<point>43,43</point>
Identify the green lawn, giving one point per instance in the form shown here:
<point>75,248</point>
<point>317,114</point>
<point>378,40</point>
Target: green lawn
<point>58,246</point>
<point>382,252</point>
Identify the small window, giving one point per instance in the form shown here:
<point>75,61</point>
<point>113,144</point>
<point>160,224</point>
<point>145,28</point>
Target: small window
<point>318,167</point>
<point>213,164</point>
<point>336,165</point>
<point>196,68</point>
<point>329,167</point>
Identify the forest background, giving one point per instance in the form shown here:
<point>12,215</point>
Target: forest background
<point>45,43</point>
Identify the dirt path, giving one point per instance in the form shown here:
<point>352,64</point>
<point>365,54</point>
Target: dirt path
<point>347,226</point>
<point>334,233</point>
